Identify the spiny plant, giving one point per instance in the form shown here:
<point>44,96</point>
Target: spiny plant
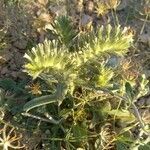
<point>52,64</point>
<point>107,41</point>
<point>46,58</point>
<point>85,90</point>
<point>64,30</point>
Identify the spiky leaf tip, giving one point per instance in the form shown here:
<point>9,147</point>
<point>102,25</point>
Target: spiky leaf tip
<point>108,40</point>
<point>45,57</point>
<point>64,29</point>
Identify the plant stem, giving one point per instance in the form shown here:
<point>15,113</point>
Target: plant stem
<point>142,29</point>
<point>50,120</point>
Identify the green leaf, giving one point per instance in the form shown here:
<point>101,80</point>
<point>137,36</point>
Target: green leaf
<point>7,84</point>
<point>79,133</point>
<point>10,85</point>
<point>2,97</point>
<point>40,101</point>
<point>144,147</point>
<point>64,29</point>
<point>129,90</point>
<point>58,96</point>
<point>124,115</point>
<point>121,146</point>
